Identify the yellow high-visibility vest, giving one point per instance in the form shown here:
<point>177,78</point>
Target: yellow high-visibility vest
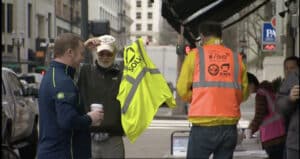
<point>142,91</point>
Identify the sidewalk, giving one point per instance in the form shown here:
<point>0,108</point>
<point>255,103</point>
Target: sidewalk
<point>248,149</point>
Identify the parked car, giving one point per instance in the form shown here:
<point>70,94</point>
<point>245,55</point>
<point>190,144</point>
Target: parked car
<point>32,79</point>
<point>19,115</point>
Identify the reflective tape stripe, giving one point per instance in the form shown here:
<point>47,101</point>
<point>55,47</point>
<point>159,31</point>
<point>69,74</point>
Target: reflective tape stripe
<point>130,79</point>
<point>217,84</point>
<point>203,83</point>
<point>202,65</point>
<point>135,83</point>
<point>235,66</point>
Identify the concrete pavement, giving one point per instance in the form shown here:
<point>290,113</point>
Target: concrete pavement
<point>247,149</point>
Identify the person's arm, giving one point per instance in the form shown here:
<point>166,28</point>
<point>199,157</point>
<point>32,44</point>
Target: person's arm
<point>284,104</point>
<point>65,106</point>
<point>245,88</point>
<point>92,43</point>
<point>185,79</point>
<point>261,110</point>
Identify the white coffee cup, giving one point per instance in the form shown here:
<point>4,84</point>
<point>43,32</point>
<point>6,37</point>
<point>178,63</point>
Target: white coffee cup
<point>96,106</point>
<point>99,107</point>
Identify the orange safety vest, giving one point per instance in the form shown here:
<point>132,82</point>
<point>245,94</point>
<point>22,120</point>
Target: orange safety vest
<point>217,89</point>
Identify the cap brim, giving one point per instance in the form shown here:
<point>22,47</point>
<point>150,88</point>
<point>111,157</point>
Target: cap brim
<point>105,47</point>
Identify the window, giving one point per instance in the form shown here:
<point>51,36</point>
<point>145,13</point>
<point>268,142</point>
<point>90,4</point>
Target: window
<point>3,17</point>
<point>138,15</point>
<point>149,27</point>
<point>29,19</point>
<point>150,15</point>
<point>138,4</point>
<point>3,48</point>
<point>150,4</point>
<point>10,48</point>
<point>9,18</point>
<point>138,27</point>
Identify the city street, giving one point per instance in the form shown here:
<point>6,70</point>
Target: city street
<point>155,142</point>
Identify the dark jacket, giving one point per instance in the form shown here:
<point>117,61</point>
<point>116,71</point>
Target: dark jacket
<point>63,125</point>
<point>290,109</point>
<point>101,85</point>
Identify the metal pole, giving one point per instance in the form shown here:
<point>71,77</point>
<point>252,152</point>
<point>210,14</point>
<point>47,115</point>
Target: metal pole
<point>84,20</point>
<point>18,53</point>
<point>85,27</point>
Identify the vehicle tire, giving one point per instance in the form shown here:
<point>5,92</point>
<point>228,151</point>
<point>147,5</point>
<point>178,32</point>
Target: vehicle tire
<point>29,151</point>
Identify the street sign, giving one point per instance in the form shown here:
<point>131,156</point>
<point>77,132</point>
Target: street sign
<point>268,37</point>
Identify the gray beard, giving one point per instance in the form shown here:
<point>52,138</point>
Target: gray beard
<point>104,65</point>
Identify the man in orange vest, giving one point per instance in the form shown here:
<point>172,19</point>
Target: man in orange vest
<point>214,81</point>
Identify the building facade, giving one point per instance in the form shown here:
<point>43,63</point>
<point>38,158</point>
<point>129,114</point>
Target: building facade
<point>266,65</point>
<point>116,13</point>
<point>68,16</point>
<point>25,26</point>
<point>146,20</point>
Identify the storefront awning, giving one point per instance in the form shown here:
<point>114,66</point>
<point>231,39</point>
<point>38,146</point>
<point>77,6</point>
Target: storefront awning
<point>190,13</point>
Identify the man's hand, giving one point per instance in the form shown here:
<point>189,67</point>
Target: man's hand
<point>96,116</point>
<point>92,43</point>
<point>294,93</point>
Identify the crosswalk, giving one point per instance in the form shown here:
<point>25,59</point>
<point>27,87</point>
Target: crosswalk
<point>169,124</point>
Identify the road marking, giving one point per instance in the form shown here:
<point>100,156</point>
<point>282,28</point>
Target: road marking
<point>169,124</point>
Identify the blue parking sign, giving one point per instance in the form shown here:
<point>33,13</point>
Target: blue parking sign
<point>268,33</point>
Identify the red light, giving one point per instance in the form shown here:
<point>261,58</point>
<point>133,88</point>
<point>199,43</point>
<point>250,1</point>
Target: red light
<point>43,72</point>
<point>269,47</point>
<point>187,49</point>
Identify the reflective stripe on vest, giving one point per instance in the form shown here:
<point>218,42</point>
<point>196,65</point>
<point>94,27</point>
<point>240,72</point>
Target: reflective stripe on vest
<point>203,83</point>
<point>135,82</point>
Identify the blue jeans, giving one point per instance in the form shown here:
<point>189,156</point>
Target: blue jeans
<point>217,140</point>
